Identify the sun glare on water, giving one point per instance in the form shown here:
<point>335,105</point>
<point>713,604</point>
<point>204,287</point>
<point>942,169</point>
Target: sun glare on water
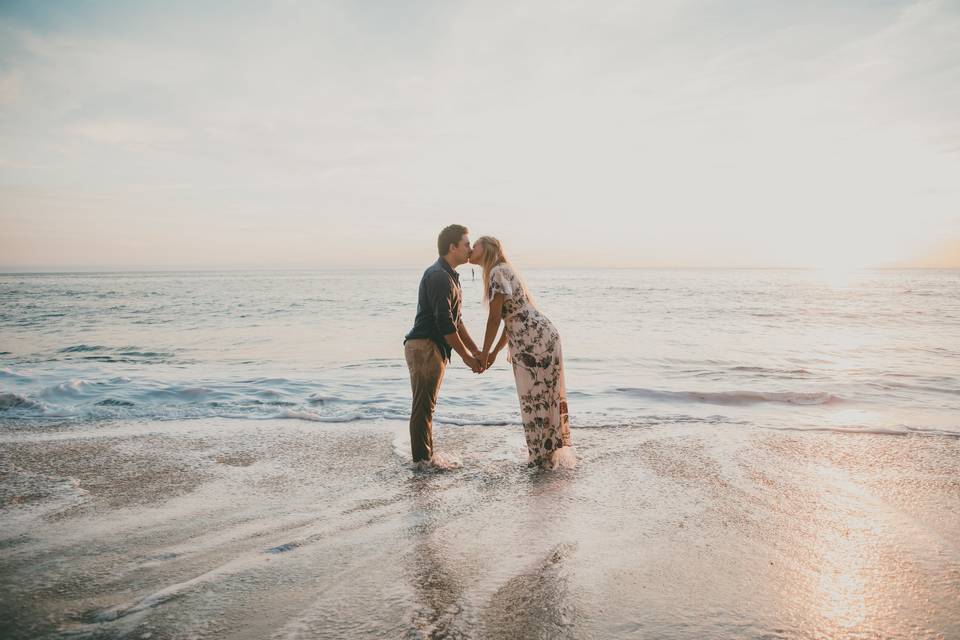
<point>840,274</point>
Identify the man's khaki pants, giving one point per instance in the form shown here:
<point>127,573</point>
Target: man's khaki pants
<point>426,373</point>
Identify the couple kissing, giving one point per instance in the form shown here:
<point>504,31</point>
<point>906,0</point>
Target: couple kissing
<point>531,339</point>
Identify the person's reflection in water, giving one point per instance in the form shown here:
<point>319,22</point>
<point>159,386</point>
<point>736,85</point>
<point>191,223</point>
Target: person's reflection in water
<point>438,587</point>
<point>537,603</point>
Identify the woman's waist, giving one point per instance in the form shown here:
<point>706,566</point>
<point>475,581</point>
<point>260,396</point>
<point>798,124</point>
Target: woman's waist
<point>524,330</point>
<point>526,315</point>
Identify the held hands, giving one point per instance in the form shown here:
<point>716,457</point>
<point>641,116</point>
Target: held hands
<point>480,361</point>
<point>472,361</point>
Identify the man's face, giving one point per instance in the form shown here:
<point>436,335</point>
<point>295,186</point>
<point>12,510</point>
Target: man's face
<point>461,251</point>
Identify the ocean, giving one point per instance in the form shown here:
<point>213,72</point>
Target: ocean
<point>874,351</point>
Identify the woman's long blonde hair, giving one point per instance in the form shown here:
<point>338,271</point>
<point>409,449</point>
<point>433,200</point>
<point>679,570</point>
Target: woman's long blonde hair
<point>491,255</point>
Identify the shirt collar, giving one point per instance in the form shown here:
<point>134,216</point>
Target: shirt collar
<point>446,267</point>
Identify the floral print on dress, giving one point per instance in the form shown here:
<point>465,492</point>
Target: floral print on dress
<point>534,347</point>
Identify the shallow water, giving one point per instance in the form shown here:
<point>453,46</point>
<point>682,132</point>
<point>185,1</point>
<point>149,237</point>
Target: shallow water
<point>285,529</point>
<point>865,351</point>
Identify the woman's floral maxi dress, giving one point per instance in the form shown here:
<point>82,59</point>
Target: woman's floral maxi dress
<point>534,347</point>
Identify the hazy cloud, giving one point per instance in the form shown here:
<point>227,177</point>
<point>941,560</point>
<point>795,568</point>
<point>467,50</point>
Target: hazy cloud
<point>686,133</point>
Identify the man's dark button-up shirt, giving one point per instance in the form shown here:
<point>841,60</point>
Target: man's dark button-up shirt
<point>438,306</point>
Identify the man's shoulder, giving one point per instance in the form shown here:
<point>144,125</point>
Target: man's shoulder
<point>435,274</point>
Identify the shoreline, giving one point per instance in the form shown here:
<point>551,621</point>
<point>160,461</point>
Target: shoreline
<point>282,528</point>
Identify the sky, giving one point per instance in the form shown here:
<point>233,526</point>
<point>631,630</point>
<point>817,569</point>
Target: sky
<point>688,133</point>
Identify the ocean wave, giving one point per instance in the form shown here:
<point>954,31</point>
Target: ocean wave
<point>600,421</point>
<point>771,370</point>
<point>376,363</point>
<point>890,386</point>
<point>184,393</point>
<point>82,348</point>
<point>339,398</point>
<point>316,417</point>
<point>735,397</point>
<point>388,414</point>
<point>17,401</point>
<point>476,422</point>
<point>899,430</point>
<point>127,354</point>
<point>135,353</point>
<point>113,402</point>
<point>72,388</point>
<point>271,381</point>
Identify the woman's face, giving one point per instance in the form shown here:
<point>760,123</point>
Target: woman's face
<point>476,256</point>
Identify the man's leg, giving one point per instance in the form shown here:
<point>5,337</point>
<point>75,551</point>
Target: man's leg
<point>426,373</point>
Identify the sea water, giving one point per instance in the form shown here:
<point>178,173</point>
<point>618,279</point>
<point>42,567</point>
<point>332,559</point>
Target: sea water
<point>790,349</point>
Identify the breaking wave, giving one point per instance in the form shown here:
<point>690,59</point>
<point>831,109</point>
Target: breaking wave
<point>735,397</point>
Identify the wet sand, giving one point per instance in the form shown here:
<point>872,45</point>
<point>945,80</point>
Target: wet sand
<point>286,529</point>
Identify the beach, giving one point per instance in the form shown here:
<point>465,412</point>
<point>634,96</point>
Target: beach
<point>762,454</point>
<point>722,241</point>
<point>217,528</point>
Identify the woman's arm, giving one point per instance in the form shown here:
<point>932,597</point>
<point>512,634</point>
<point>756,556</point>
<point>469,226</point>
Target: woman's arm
<point>487,361</point>
<point>493,323</point>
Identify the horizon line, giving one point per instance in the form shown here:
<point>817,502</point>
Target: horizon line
<point>131,270</point>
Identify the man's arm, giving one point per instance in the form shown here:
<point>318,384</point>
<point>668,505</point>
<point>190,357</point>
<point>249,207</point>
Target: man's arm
<point>453,339</point>
<point>442,309</point>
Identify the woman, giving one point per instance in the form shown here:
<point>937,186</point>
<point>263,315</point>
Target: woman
<point>534,351</point>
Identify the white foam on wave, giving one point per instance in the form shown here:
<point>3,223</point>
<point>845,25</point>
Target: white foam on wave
<point>563,458</point>
<point>440,461</point>
<point>901,430</point>
<point>73,387</point>
<point>17,401</point>
<point>316,417</point>
<point>737,397</point>
<point>401,442</point>
<point>478,422</point>
<point>513,448</point>
<point>156,598</point>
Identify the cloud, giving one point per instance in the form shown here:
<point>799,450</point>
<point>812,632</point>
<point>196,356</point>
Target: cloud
<point>11,86</point>
<point>128,132</point>
<point>738,131</point>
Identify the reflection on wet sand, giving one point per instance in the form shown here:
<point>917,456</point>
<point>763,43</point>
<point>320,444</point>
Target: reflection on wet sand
<point>497,598</point>
<point>843,587</point>
<point>437,586</point>
<point>535,604</point>
<point>326,532</point>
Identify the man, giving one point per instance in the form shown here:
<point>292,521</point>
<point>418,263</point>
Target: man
<point>437,331</point>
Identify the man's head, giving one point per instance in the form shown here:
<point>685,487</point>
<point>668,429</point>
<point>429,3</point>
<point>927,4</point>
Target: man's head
<point>454,245</point>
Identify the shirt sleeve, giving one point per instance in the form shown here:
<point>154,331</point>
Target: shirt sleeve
<point>500,282</point>
<point>441,301</point>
